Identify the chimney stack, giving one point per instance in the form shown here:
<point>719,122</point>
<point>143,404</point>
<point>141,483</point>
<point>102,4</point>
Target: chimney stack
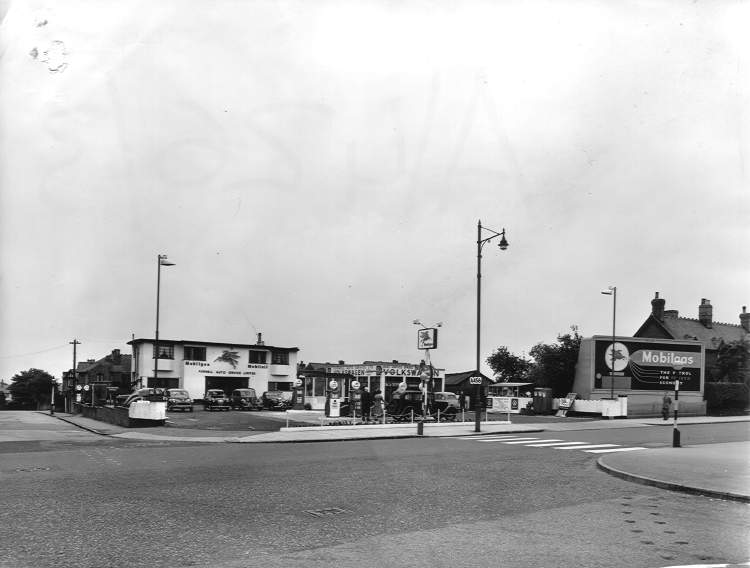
<point>745,319</point>
<point>116,356</point>
<point>706,313</point>
<point>657,307</point>
<point>260,340</point>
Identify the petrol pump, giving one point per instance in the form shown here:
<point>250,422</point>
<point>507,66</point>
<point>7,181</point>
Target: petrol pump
<point>333,399</point>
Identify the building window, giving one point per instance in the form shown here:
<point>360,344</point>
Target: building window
<point>165,351</point>
<point>193,353</point>
<point>280,358</point>
<point>258,357</point>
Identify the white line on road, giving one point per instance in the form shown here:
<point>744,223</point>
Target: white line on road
<point>591,446</point>
<point>507,440</point>
<point>554,444</point>
<point>613,450</point>
<point>480,438</point>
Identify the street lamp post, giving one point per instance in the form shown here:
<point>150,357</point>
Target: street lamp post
<point>161,261</point>
<point>503,244</point>
<point>612,291</point>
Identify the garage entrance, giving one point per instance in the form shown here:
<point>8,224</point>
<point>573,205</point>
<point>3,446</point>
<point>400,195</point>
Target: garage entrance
<point>227,384</point>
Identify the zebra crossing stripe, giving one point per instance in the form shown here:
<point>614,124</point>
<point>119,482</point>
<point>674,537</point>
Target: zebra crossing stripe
<point>480,438</point>
<point>511,440</point>
<point>613,450</point>
<point>588,447</point>
<point>555,444</point>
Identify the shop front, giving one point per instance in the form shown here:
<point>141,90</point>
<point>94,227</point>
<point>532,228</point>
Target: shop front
<point>375,376</point>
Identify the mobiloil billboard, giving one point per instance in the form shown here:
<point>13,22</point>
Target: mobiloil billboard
<point>647,364</point>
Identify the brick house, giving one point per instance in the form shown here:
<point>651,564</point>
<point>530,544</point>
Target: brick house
<point>668,324</point>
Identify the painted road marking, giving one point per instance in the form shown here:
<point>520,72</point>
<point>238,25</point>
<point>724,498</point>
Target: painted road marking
<point>557,444</point>
<point>511,440</point>
<point>592,446</point>
<point>613,450</point>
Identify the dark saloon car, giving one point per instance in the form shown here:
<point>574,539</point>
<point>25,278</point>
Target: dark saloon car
<point>215,399</point>
<point>179,399</point>
<point>277,400</point>
<point>245,399</point>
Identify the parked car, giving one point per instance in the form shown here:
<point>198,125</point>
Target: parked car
<point>215,399</point>
<point>156,394</point>
<point>448,405</point>
<point>179,399</point>
<point>277,400</point>
<point>245,399</point>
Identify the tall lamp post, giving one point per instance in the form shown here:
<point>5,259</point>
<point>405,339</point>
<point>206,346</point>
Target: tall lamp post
<point>161,261</point>
<point>503,244</point>
<point>612,291</point>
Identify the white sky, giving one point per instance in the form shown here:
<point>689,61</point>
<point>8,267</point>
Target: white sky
<point>317,170</point>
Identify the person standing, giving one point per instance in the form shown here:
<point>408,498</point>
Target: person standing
<point>666,403</point>
<point>366,404</point>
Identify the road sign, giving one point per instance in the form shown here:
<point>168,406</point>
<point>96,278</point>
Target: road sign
<point>475,380</point>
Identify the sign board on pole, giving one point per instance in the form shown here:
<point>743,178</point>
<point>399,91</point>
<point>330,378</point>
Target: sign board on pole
<point>427,338</point>
<point>475,380</point>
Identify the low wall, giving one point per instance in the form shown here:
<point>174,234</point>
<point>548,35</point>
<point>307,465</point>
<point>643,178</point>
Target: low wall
<point>114,415</point>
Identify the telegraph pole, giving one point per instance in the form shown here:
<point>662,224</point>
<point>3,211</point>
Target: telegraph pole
<point>75,343</point>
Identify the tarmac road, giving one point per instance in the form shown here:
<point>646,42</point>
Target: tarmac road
<point>434,501</point>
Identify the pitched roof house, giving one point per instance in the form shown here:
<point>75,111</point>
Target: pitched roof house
<point>668,324</point>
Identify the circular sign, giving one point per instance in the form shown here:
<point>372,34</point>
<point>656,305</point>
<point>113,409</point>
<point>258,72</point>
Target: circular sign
<point>333,385</point>
<point>78,387</point>
<point>297,383</point>
<point>85,387</point>
<point>621,358</point>
<point>401,387</point>
<point>355,385</point>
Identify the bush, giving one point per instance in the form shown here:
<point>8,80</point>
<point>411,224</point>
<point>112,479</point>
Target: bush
<point>720,396</point>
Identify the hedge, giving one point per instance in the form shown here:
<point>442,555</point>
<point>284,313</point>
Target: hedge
<point>726,395</point>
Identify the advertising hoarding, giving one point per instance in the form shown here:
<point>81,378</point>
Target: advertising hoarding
<point>648,365</point>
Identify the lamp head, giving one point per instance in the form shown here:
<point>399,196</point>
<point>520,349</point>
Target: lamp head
<point>417,322</point>
<point>503,244</point>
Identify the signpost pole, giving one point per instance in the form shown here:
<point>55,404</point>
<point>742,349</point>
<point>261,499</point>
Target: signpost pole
<point>675,431</point>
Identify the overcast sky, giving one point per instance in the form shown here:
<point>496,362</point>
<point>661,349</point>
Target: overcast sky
<point>316,170</point>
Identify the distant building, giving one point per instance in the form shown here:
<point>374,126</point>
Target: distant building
<point>667,324</point>
<point>200,365</point>
<point>112,370</point>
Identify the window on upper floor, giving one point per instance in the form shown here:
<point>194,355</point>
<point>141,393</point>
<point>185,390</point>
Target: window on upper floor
<point>280,357</point>
<point>194,353</point>
<point>258,357</point>
<point>165,351</point>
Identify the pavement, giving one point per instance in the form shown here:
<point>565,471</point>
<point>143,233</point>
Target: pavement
<point>719,470</point>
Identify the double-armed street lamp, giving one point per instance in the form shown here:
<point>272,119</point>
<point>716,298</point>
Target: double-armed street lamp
<point>161,261</point>
<point>612,291</point>
<point>503,244</point>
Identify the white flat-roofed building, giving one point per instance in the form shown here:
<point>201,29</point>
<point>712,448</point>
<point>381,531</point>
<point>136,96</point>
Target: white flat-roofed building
<point>200,365</point>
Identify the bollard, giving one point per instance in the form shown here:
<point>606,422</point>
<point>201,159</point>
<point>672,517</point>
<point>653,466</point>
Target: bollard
<point>676,438</point>
<point>420,428</point>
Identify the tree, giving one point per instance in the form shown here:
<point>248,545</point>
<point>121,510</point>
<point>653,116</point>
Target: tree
<point>32,387</point>
<point>508,366</point>
<point>732,360</point>
<point>554,364</point>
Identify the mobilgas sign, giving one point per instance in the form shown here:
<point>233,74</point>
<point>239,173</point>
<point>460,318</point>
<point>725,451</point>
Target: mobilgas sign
<point>649,365</point>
